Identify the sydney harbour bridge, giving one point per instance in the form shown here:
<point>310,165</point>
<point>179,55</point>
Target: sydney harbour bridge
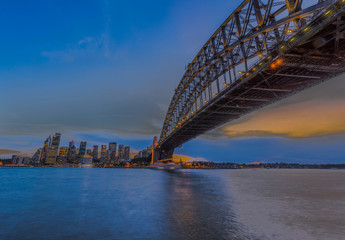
<point>265,50</point>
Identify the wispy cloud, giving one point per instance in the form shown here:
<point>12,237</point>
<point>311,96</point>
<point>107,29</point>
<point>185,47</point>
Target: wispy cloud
<point>85,48</point>
<point>8,151</point>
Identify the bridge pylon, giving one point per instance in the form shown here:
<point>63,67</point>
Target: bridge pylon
<point>158,153</point>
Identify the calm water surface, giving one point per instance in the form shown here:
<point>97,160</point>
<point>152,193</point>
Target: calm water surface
<point>70,203</point>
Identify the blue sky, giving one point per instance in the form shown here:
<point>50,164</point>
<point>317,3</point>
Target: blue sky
<point>106,70</point>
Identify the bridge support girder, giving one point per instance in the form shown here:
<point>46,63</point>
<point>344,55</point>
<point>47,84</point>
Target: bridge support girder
<point>158,154</point>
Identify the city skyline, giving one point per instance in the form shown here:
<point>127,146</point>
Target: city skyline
<point>53,154</point>
<point>172,119</point>
<point>79,81</point>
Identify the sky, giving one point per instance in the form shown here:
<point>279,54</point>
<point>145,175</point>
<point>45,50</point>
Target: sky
<point>105,71</point>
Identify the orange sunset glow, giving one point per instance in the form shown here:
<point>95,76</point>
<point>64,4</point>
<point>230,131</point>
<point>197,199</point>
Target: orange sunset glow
<point>299,116</point>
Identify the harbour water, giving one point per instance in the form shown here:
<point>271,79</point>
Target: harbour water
<point>72,203</point>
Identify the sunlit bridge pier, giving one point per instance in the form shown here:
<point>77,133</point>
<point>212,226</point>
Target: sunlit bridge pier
<point>263,52</point>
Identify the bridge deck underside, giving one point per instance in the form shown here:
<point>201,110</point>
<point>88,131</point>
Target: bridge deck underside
<point>303,66</point>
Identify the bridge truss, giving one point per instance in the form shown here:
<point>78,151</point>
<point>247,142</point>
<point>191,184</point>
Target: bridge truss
<point>264,51</point>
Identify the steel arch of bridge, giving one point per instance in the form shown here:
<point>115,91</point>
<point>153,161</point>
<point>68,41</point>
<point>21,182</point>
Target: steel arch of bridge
<point>251,38</point>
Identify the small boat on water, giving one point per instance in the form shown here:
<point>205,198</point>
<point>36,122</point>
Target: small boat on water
<point>165,165</point>
<point>86,165</point>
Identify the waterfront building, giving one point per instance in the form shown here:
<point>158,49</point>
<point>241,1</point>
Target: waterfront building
<point>72,152</point>
<point>26,160</point>
<point>14,159</point>
<point>95,153</point>
<point>121,152</point>
<point>112,152</point>
<point>103,153</point>
<point>146,152</point>
<point>89,152</point>
<point>63,154</point>
<point>127,153</point>
<point>46,146</point>
<point>20,160</point>
<point>82,150</point>
<point>107,159</point>
<point>53,150</point>
<point>86,159</point>
<point>36,158</point>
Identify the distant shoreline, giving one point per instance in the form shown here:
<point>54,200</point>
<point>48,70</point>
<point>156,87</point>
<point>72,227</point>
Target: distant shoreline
<point>216,166</point>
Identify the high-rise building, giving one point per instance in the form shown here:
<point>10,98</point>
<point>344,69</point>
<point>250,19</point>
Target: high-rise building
<point>121,152</point>
<point>112,152</point>
<point>62,157</point>
<point>107,159</point>
<point>127,152</point>
<point>82,150</point>
<point>53,150</point>
<point>72,152</point>
<point>46,146</point>
<point>14,159</point>
<point>95,153</point>
<point>37,156</point>
<point>104,153</point>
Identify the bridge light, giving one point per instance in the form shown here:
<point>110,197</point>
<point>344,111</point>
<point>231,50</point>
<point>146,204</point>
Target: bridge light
<point>293,39</point>
<point>197,107</point>
<point>273,66</point>
<point>328,12</point>
<point>192,112</point>
<point>254,69</point>
<point>260,55</point>
<point>205,101</point>
<point>247,74</point>
<point>289,31</point>
<point>282,47</point>
<point>240,72</point>
<point>306,29</point>
<point>279,61</point>
<point>225,84</point>
<point>214,94</point>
